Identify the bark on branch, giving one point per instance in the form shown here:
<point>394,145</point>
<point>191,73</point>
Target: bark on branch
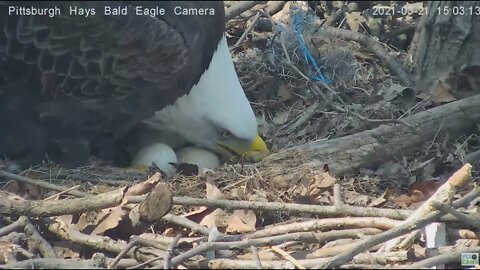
<point>372,147</point>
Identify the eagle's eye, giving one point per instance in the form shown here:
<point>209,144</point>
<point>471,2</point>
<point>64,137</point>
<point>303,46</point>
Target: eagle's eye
<point>226,134</point>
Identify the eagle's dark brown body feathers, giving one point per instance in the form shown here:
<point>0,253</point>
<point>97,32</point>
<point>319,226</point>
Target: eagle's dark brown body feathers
<point>88,80</point>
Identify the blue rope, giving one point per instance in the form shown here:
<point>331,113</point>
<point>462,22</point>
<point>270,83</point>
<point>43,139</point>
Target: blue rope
<point>317,75</point>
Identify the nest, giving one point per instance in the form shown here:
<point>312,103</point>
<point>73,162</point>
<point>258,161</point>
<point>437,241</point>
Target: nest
<point>319,220</point>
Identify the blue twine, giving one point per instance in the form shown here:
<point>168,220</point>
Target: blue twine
<point>317,75</point>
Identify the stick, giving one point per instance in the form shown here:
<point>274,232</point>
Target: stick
<point>450,257</point>
<point>239,8</point>
<point>289,258</point>
<point>330,211</point>
<point>363,245</point>
<point>41,183</point>
<point>167,261</point>
<point>248,30</point>
<point>49,263</point>
<point>61,207</point>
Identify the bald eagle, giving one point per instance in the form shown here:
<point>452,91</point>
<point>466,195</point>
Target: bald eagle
<point>76,81</point>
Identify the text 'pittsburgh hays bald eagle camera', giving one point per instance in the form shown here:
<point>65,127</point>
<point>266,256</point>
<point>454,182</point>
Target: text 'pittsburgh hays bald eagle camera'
<point>127,81</point>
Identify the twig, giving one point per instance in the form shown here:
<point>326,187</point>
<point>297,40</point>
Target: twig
<point>161,242</point>
<point>40,243</point>
<point>363,245</point>
<point>34,236</point>
<point>288,257</point>
<point>149,242</point>
<point>24,252</point>
<point>255,258</point>
<point>248,30</point>
<point>98,242</point>
<point>239,8</point>
<point>443,194</point>
<point>41,183</point>
<point>50,263</point>
<point>61,193</point>
<point>61,207</point>
<point>323,96</point>
<point>375,47</point>
<point>409,240</point>
<point>167,261</point>
<point>398,231</point>
<point>452,256</point>
<point>330,211</point>
<point>337,196</point>
<point>447,209</point>
<point>305,237</point>
<point>120,255</point>
<point>364,266</point>
<point>185,222</point>
<point>17,224</point>
<point>462,233</point>
<point>326,224</point>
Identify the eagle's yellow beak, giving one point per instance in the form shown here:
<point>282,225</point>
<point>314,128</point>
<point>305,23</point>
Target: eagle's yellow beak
<point>254,150</point>
<point>258,149</point>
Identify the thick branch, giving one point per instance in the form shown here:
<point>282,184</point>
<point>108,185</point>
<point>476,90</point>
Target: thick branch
<point>369,148</point>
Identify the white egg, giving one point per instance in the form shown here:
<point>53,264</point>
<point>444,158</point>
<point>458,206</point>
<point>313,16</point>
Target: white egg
<point>204,159</point>
<point>159,153</point>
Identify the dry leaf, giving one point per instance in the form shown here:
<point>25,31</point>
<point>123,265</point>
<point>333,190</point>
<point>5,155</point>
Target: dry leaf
<point>383,198</point>
<point>442,92</point>
<point>109,221</point>
<point>157,204</point>
<point>67,250</point>
<point>215,219</point>
<point>428,188</point>
<point>212,191</point>
<point>5,247</point>
<point>323,180</point>
<point>358,199</point>
<point>198,215</point>
<point>283,93</point>
<point>281,117</point>
<point>195,212</point>
<point>170,232</point>
<point>241,221</point>
<point>262,255</point>
<point>354,19</point>
<point>407,200</point>
<point>144,187</point>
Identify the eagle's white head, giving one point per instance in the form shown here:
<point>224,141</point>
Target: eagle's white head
<point>216,113</point>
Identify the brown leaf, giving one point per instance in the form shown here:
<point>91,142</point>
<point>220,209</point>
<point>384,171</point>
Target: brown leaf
<point>5,247</point>
<point>212,191</point>
<point>216,218</point>
<point>170,232</point>
<point>442,92</point>
<point>26,191</point>
<point>67,250</point>
<point>281,117</point>
<point>110,220</point>
<point>241,221</point>
<point>262,255</point>
<point>157,204</point>
<point>199,214</point>
<point>323,180</point>
<point>144,187</point>
<point>407,200</point>
<point>284,93</point>
<point>382,199</point>
<point>200,210</point>
<point>354,19</point>
<point>428,188</point>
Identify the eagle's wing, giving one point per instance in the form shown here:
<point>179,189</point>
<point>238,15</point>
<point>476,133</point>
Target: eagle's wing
<point>102,73</point>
